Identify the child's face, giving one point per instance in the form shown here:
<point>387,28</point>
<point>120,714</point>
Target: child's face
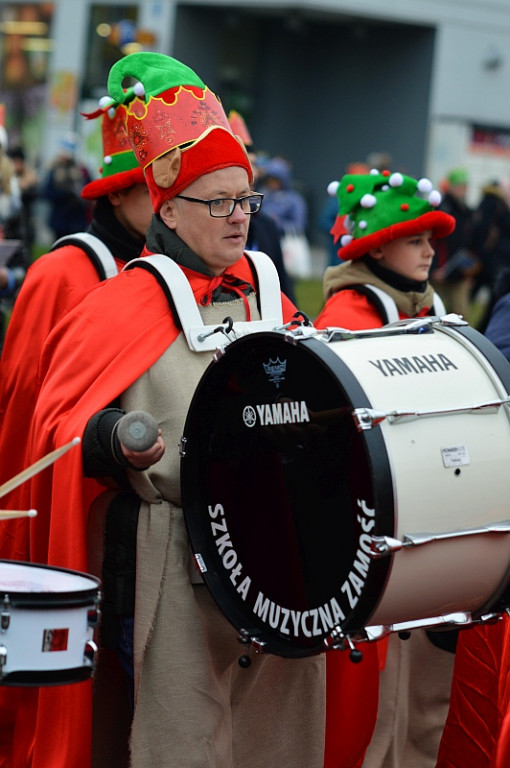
<point>410,256</point>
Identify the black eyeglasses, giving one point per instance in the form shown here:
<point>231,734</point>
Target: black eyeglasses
<point>222,207</point>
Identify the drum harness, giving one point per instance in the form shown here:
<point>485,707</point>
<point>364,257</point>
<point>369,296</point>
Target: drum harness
<point>95,249</point>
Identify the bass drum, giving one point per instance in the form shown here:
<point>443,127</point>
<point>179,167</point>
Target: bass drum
<point>47,621</point>
<point>305,492</point>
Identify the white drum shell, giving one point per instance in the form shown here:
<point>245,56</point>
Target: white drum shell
<point>28,628</point>
<point>460,573</point>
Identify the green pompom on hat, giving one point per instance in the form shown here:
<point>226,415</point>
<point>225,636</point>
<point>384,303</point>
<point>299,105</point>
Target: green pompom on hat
<point>377,207</point>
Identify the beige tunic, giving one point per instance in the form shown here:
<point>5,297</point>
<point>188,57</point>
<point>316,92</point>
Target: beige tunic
<point>195,706</point>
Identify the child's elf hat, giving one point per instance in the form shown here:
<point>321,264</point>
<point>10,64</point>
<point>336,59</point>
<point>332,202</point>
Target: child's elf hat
<point>176,126</point>
<point>377,207</point>
<point>120,168</point>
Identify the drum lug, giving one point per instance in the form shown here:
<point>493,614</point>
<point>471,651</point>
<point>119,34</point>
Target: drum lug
<point>366,418</point>
<point>249,640</point>
<point>381,546</point>
<point>5,616</point>
<point>89,653</point>
<point>3,659</point>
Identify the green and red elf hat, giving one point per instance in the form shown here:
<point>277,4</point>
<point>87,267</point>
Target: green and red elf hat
<point>120,168</point>
<point>377,207</point>
<point>176,126</point>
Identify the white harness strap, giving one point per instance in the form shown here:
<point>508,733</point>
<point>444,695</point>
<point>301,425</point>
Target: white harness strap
<point>204,338</point>
<point>391,309</point>
<point>94,248</point>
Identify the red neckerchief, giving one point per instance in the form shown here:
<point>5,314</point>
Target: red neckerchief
<point>203,286</point>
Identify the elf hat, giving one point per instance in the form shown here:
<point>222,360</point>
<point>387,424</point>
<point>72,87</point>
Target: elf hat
<point>120,168</point>
<point>176,126</point>
<point>239,127</point>
<point>378,207</point>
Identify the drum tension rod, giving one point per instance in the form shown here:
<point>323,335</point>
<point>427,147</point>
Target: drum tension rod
<point>5,616</point>
<point>385,545</point>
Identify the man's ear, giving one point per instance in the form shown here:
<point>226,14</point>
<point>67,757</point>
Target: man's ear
<point>167,213</point>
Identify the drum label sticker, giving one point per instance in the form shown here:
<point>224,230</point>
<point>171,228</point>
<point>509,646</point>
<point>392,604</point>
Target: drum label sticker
<point>55,639</point>
<point>402,366</point>
<point>455,456</point>
<point>275,370</point>
<point>276,413</point>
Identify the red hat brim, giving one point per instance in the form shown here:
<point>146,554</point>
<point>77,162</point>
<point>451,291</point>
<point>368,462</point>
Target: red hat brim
<point>113,183</point>
<point>441,224</point>
<point>218,149</point>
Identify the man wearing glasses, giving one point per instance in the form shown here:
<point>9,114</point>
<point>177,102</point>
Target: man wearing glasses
<point>194,706</point>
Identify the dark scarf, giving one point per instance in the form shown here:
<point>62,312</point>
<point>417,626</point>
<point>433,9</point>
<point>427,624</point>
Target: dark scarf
<point>392,278</point>
<point>106,227</point>
<point>161,239</point>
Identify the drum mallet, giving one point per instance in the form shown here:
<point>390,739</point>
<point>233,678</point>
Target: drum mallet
<point>137,430</point>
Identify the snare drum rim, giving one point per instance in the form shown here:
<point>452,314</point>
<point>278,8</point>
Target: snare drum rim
<point>377,457</point>
<point>43,600</point>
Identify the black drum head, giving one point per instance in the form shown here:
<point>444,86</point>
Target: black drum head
<point>281,494</point>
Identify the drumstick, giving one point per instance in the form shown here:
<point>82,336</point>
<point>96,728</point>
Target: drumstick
<point>29,472</point>
<point>8,513</point>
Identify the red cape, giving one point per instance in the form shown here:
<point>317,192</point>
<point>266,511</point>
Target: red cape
<point>477,730</point>
<point>98,349</point>
<point>54,284</point>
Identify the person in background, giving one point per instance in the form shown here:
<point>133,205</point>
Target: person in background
<point>491,242</point>
<point>386,252</point>
<point>285,204</point>
<point>14,256</point>
<point>122,349</point>
<point>263,232</point>
<point>55,283</point>
<point>62,186</point>
<point>28,184</point>
<point>455,263</point>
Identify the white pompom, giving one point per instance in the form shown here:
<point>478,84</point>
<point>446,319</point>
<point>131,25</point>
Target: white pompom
<point>362,225</point>
<point>435,198</point>
<point>139,90</point>
<point>105,101</point>
<point>396,180</point>
<point>384,188</point>
<point>111,113</point>
<point>374,172</point>
<point>425,186</point>
<point>333,187</point>
<point>368,201</point>
<point>107,159</point>
<point>345,239</point>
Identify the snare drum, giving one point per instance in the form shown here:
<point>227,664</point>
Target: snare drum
<point>342,481</point>
<point>47,619</point>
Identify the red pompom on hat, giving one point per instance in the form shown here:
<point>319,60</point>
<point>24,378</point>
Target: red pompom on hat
<point>176,126</point>
<point>120,168</point>
<point>375,208</point>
